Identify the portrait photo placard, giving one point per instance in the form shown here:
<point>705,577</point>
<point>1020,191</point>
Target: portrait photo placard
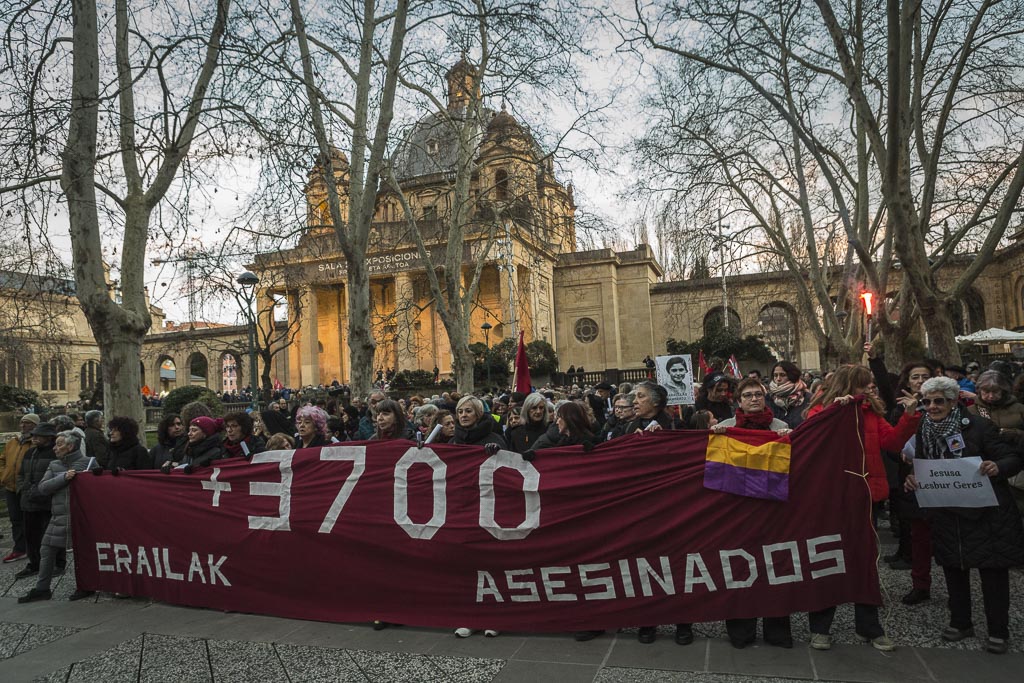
<point>675,373</point>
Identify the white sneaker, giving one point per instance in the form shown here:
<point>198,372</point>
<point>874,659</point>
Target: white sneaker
<point>463,632</point>
<point>491,633</point>
<point>820,641</point>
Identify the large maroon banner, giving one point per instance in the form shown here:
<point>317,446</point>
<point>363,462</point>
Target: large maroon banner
<point>448,536</point>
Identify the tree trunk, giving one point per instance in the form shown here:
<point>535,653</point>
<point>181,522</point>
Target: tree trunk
<point>360,340</point>
<point>122,380</point>
<point>463,361</point>
<point>939,326</point>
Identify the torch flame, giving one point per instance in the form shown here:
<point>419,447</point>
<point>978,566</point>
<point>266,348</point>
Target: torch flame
<point>866,296</point>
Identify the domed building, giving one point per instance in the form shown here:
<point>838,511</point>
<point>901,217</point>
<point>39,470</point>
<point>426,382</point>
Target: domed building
<point>514,202</point>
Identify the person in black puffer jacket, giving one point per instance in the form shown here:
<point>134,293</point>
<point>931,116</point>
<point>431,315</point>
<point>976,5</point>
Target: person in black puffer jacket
<point>989,539</point>
<point>126,453</point>
<point>205,444</point>
<point>474,426</point>
<point>36,510</point>
<point>170,435</point>
<point>533,423</point>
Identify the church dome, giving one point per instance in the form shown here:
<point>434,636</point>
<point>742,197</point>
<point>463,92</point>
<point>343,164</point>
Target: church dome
<point>432,146</point>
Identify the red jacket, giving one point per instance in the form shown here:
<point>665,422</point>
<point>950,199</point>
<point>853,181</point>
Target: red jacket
<point>879,434</point>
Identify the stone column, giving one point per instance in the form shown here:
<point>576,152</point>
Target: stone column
<point>309,343</point>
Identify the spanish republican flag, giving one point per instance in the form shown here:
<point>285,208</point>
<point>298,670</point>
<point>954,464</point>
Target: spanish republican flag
<point>752,463</point>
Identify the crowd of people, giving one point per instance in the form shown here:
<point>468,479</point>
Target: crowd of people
<point>926,411</point>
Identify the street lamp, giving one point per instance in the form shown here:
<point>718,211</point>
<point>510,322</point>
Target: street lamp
<point>248,282</point>
<point>486,327</point>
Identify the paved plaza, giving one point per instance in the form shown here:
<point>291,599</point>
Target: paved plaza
<point>113,640</point>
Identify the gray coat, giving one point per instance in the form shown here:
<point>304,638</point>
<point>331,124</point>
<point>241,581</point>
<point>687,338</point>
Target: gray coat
<point>58,533</point>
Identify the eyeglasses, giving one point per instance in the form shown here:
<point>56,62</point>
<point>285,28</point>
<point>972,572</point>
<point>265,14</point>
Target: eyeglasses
<point>940,401</point>
<point>624,407</point>
<point>750,395</point>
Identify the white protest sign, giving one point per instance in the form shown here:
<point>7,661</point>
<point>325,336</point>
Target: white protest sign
<point>953,483</point>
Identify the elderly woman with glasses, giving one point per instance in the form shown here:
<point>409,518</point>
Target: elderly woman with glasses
<point>989,539</point>
<point>753,413</point>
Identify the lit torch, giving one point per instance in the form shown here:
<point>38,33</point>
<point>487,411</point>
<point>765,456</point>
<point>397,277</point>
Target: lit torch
<point>866,298</point>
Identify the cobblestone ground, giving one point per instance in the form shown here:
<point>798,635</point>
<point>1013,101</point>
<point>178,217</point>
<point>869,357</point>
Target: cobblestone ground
<point>109,639</point>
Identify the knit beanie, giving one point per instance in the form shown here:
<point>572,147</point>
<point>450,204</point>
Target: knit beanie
<point>209,425</point>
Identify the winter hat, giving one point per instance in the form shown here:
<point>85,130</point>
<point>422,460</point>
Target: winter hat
<point>714,378</point>
<point>209,425</point>
<point>30,417</point>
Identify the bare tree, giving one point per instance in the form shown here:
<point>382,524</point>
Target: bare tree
<point>951,128</point>
<point>125,138</point>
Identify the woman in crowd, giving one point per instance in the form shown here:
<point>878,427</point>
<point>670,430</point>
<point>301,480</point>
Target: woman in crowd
<point>848,382</point>
<point>649,403</point>
<point>447,422</point>
<point>422,418</point>
<point>533,423</point>
<point>350,414</point>
<point>390,423</point>
<point>205,444</point>
<point>311,427</point>
<point>280,442</point>
<point>473,425</point>
<point>997,401</point>
<point>751,413</point>
<point>989,539</point>
<point>125,451</point>
<point>788,395</point>
<point>170,435</point>
<point>574,428</point>
<point>239,439</point>
<point>704,419</point>
<point>60,473</point>
<point>914,550</point>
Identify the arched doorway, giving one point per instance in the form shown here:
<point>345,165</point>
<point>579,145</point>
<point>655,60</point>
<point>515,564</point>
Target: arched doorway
<point>198,370</point>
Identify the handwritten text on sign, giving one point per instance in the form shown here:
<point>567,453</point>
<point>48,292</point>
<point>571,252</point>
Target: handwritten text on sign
<point>955,482</point>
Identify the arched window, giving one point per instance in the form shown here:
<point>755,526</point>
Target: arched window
<point>54,375</point>
<point>713,320</point>
<point>968,313</point>
<point>198,369</point>
<point>778,326</point>
<point>12,372</point>
<point>89,375</point>
<point>501,185</point>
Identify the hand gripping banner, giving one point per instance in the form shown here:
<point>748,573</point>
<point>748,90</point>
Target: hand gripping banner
<point>448,536</point>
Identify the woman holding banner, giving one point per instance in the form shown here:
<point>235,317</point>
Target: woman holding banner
<point>989,539</point>
<point>847,382</point>
<point>752,413</point>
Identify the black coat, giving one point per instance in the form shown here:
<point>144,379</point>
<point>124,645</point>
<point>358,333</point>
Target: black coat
<point>522,437</point>
<point>991,538</point>
<point>662,418</point>
<point>480,434</point>
<point>33,469</point>
<point>721,410</point>
<point>206,451</point>
<point>164,452</point>
<point>128,455</point>
<point>555,439</point>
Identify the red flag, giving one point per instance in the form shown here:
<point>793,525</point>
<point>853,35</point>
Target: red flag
<point>734,366</point>
<point>704,367</point>
<point>521,382</point>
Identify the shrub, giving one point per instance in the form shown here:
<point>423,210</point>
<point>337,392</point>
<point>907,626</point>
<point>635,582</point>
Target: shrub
<point>176,399</point>
<point>406,379</point>
<point>12,398</point>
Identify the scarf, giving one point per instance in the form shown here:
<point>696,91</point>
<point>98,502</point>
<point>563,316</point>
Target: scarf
<point>788,395</point>
<point>761,420</point>
<point>934,434</point>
